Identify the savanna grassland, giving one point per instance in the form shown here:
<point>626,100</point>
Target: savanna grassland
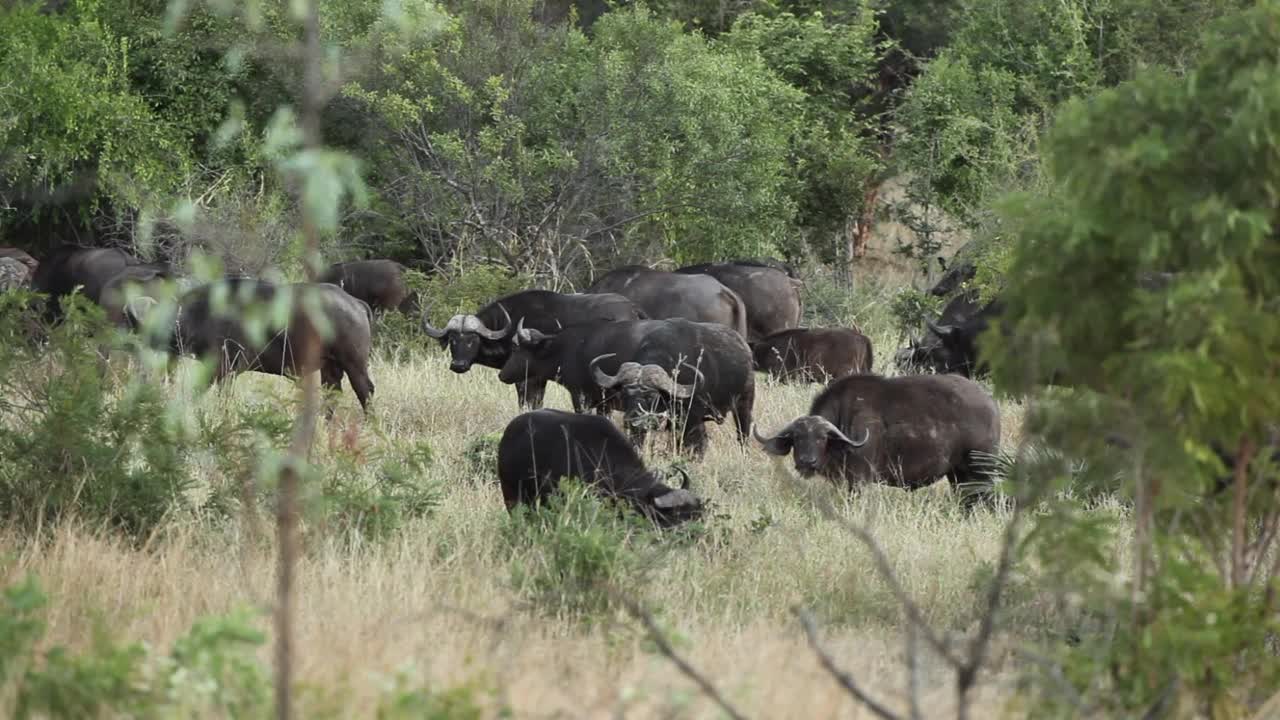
<point>450,601</point>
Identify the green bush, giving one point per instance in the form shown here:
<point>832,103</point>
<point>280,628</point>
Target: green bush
<point>374,505</point>
<point>467,290</point>
<point>212,669</point>
<point>72,441</point>
<point>481,457</point>
<point>572,553</point>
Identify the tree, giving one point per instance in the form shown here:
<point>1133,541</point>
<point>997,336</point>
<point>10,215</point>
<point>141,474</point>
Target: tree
<point>1173,177</point>
<point>541,147</point>
<point>836,153</point>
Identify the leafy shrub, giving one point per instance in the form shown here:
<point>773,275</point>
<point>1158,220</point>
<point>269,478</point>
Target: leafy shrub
<point>467,290</point>
<point>481,457</point>
<point>71,440</point>
<point>574,551</point>
<point>374,505</point>
<point>910,308</point>
<point>460,702</point>
<point>210,669</point>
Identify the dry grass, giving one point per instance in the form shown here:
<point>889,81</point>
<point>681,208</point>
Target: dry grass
<point>436,600</point>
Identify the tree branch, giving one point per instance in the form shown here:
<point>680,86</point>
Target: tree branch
<point>664,646</point>
<point>845,679</point>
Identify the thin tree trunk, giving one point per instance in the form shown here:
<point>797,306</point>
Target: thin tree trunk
<point>1238,516</point>
<point>304,429</point>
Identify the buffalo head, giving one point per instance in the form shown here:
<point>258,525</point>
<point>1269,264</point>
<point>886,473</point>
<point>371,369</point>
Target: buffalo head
<point>669,506</point>
<point>647,391</point>
<point>528,357</point>
<point>463,335</point>
<point>812,439</point>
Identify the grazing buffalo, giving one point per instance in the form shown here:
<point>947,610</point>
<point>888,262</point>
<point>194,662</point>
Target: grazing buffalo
<point>928,352</point>
<point>957,349</point>
<point>771,296</point>
<point>813,355</point>
<point>540,447</point>
<point>565,357</point>
<point>69,267</point>
<point>664,295</point>
<point>685,373</point>
<point>210,325</point>
<point>486,337</point>
<point>115,295</point>
<point>905,431</point>
<point>380,283</point>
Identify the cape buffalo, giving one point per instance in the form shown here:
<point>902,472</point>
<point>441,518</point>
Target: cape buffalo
<point>664,295</point>
<point>813,355</point>
<point>904,431</point>
<point>687,373</point>
<point>565,357</point>
<point>210,324</point>
<point>540,447</point>
<point>485,337</point>
<point>771,297</point>
<point>115,294</point>
<point>380,283</point>
<point>68,267</point>
<point>928,352</point>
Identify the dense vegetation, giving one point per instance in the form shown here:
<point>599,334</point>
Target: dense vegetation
<point>1078,145</point>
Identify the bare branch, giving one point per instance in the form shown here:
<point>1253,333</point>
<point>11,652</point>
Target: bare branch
<point>664,646</point>
<point>845,679</point>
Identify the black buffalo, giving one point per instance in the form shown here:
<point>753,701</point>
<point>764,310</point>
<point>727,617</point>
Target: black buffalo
<point>683,373</point>
<point>380,283</point>
<point>904,431</point>
<point>565,357</point>
<point>486,337</point>
<point>540,447</point>
<point>955,353</point>
<point>813,354</point>
<point>69,267</point>
<point>665,295</point>
<point>211,324</point>
<point>771,296</point>
<point>127,285</point>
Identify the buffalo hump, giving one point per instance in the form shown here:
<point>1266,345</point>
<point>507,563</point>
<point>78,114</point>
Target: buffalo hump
<point>540,447</point>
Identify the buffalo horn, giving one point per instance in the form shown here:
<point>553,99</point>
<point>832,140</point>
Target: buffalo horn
<point>603,379</point>
<point>940,330</point>
<point>524,337</point>
<point>684,478</point>
<point>866,435</point>
<point>454,324</point>
<point>655,376</point>
<point>755,432</point>
<point>484,331</point>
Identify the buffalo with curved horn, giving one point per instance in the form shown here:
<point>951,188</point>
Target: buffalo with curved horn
<point>910,431</point>
<point>488,336</point>
<point>709,376</point>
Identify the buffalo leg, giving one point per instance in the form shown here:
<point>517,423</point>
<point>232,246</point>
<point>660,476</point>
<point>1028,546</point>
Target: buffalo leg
<point>529,394</point>
<point>331,382</point>
<point>973,488</point>
<point>694,438</point>
<point>362,384</point>
<point>742,416</point>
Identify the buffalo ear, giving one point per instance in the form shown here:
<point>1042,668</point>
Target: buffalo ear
<point>779,444</point>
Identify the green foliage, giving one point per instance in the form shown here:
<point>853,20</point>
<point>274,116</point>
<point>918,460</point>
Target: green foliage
<point>468,290</point>
<point>481,457</point>
<point>211,669</point>
<point>73,442</point>
<point>575,553</point>
<point>1162,174</point>
<point>371,494</point>
<point>460,702</point>
<point>911,308</point>
<point>542,147</point>
<point>834,65</point>
<point>70,118</point>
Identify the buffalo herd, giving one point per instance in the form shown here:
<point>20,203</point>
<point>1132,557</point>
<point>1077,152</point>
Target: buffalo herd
<point>670,351</point>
